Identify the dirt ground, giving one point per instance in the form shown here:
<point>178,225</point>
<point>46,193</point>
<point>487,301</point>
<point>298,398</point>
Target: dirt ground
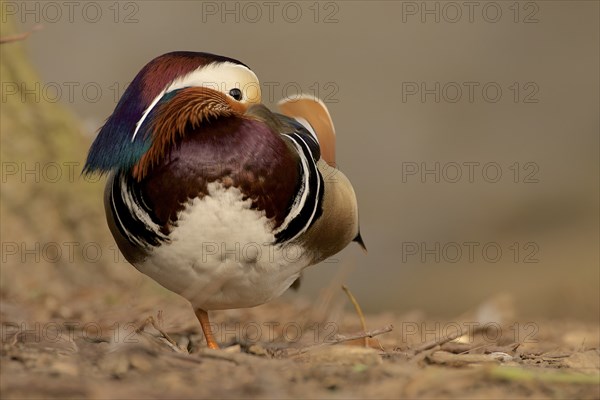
<point>290,348</point>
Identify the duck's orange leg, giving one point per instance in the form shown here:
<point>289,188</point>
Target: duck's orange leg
<point>205,324</point>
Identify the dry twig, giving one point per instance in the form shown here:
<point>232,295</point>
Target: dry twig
<point>150,321</point>
<point>437,342</point>
<point>19,36</point>
<point>344,338</point>
<point>358,310</point>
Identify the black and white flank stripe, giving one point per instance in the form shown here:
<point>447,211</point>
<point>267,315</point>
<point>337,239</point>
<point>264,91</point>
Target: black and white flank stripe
<point>307,206</point>
<point>132,216</point>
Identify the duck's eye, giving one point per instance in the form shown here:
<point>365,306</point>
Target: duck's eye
<point>236,94</point>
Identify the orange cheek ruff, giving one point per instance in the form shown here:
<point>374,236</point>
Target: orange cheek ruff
<point>189,108</point>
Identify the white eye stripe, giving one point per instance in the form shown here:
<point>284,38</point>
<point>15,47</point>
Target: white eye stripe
<point>219,76</point>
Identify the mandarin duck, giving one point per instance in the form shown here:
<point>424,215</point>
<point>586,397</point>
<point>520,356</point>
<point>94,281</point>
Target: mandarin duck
<point>212,195</point>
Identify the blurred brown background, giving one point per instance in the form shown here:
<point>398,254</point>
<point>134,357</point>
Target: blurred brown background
<point>376,64</point>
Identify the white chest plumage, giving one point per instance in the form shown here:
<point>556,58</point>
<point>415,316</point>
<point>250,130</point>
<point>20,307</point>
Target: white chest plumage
<point>222,254</point>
